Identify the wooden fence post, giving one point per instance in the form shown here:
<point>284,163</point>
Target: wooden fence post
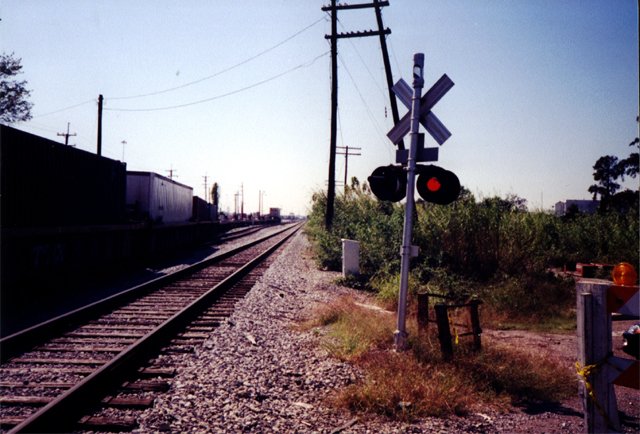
<point>594,344</point>
<point>422,314</point>
<point>444,333</point>
<point>475,324</point>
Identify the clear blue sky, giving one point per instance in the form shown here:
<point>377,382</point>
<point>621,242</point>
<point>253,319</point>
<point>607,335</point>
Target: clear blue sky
<point>542,88</point>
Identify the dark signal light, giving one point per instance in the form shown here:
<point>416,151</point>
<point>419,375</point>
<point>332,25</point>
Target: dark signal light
<point>437,185</point>
<point>389,183</point>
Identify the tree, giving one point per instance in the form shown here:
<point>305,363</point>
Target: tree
<point>630,165</point>
<point>215,194</point>
<point>606,171</point>
<point>14,106</point>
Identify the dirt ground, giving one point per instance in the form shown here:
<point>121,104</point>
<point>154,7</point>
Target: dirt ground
<point>563,347</point>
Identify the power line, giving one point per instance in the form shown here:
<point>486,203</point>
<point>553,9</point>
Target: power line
<point>362,98</point>
<point>364,64</point>
<point>233,92</point>
<point>193,82</point>
<point>223,70</point>
<point>63,109</point>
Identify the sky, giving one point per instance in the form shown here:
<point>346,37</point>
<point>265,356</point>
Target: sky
<point>239,91</point>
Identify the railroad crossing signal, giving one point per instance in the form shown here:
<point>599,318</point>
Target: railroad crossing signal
<point>435,184</point>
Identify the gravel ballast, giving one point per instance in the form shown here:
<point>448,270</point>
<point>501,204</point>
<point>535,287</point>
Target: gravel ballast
<point>260,372</point>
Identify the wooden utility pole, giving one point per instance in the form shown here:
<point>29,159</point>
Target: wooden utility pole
<point>171,173</point>
<point>334,36</point>
<point>331,190</point>
<point>387,67</point>
<point>66,135</point>
<point>347,154</point>
<point>100,101</point>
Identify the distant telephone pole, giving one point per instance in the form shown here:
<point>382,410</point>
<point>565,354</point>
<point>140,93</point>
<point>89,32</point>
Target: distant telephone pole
<point>124,142</point>
<point>242,199</point>
<point>205,188</point>
<point>261,194</point>
<point>171,173</point>
<point>347,154</point>
<point>100,101</point>
<point>66,135</point>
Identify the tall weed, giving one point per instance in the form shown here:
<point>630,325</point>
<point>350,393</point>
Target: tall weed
<point>493,243</point>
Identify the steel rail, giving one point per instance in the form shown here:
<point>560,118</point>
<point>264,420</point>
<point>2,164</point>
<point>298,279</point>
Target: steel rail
<point>61,414</point>
<point>22,341</point>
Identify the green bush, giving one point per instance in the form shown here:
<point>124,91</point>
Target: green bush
<point>358,216</point>
<point>494,244</point>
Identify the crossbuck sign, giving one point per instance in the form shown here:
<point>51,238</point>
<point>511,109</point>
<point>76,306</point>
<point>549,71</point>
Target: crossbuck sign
<point>429,120</point>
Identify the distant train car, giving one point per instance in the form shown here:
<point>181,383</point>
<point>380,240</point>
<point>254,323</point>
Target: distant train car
<point>203,210</point>
<point>157,198</point>
<point>274,214</point>
<point>47,184</point>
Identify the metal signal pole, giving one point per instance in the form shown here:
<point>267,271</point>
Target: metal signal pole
<point>400,335</point>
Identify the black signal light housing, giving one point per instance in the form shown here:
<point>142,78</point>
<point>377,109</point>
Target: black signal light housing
<point>437,185</point>
<point>389,183</point>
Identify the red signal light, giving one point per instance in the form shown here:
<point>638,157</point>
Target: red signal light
<point>433,184</point>
<point>437,185</point>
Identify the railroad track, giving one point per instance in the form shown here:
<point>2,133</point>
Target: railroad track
<point>74,372</point>
<point>240,233</point>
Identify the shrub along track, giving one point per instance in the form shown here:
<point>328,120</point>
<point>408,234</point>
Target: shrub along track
<point>74,371</point>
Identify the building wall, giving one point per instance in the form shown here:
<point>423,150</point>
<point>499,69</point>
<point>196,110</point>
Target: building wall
<point>584,206</point>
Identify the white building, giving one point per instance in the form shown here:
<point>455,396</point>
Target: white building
<point>584,206</point>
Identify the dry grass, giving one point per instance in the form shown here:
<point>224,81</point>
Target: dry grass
<point>354,329</point>
<point>399,386</point>
<point>419,382</point>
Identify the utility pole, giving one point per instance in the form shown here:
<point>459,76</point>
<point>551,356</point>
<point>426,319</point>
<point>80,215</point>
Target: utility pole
<point>124,142</point>
<point>66,135</point>
<point>261,194</point>
<point>387,67</point>
<point>346,159</point>
<point>205,189</point>
<point>171,171</point>
<point>334,8</point>
<point>331,190</point>
<point>100,101</point>
<point>242,200</point>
